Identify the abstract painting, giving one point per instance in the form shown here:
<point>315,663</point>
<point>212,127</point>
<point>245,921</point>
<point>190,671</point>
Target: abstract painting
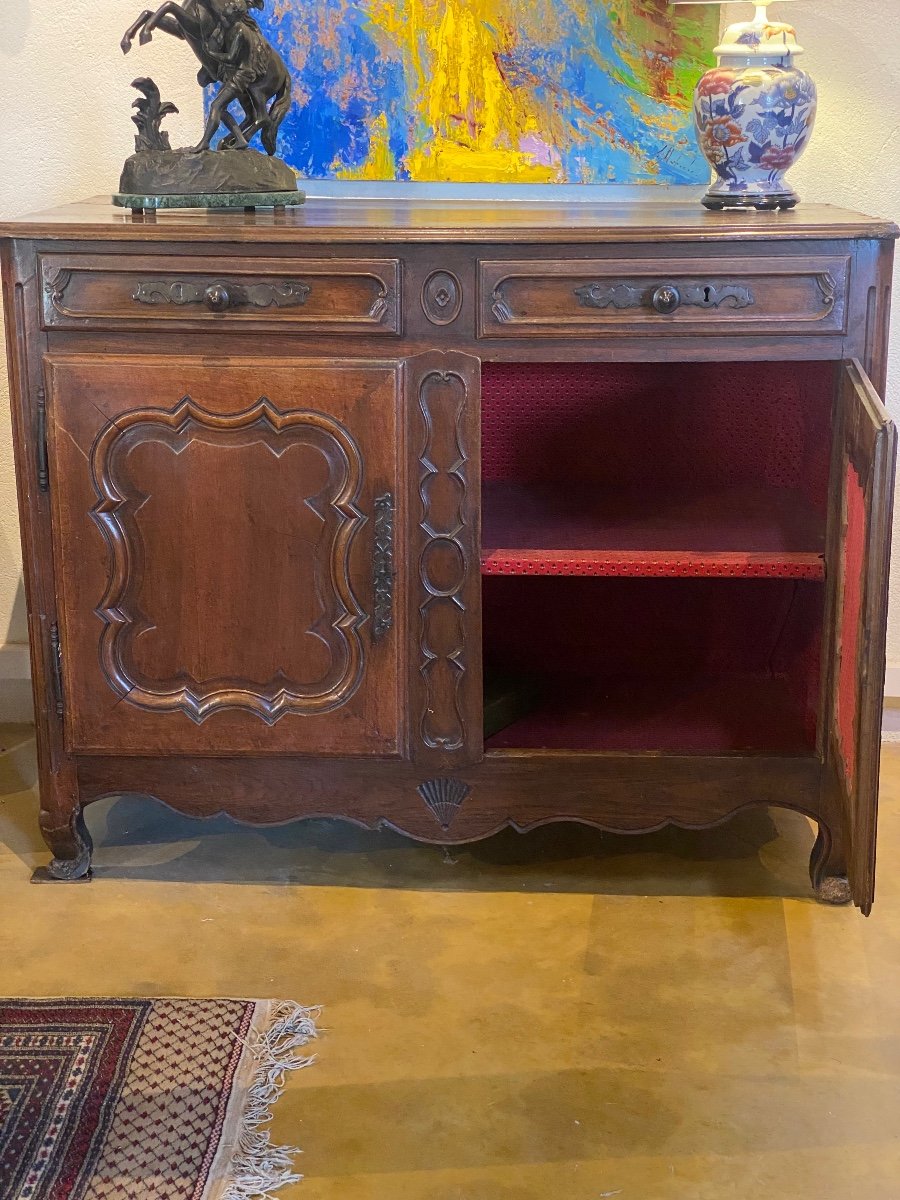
<point>493,91</point>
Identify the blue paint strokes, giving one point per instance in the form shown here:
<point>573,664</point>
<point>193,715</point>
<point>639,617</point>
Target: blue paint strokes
<point>347,79</point>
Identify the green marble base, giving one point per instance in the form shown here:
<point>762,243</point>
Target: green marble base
<point>209,200</point>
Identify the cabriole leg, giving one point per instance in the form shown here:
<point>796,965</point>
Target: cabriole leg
<point>828,867</point>
<point>65,832</point>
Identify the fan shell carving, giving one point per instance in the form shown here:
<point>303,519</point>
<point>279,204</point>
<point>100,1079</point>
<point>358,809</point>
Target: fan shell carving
<point>444,797</point>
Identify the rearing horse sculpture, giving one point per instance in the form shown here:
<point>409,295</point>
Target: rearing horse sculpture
<point>261,77</point>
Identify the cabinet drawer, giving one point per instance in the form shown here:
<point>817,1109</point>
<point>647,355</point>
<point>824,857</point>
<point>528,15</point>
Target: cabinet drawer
<point>359,296</point>
<point>616,297</point>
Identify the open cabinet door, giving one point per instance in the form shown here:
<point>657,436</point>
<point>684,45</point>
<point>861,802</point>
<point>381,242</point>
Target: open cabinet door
<point>859,562</point>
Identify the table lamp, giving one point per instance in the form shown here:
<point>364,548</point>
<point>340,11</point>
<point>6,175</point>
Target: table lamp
<point>754,113</point>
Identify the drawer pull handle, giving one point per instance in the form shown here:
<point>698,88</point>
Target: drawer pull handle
<point>217,297</point>
<point>220,296</point>
<point>666,299</point>
<point>383,566</point>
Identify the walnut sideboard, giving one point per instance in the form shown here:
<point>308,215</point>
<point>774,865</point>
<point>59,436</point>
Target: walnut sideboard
<point>297,489</point>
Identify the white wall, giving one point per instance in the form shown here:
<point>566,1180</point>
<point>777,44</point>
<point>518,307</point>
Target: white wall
<point>64,132</point>
<point>853,51</point>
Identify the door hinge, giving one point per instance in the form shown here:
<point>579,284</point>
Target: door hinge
<point>56,669</point>
<point>43,471</point>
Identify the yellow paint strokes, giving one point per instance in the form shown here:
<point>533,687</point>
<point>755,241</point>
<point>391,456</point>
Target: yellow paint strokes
<point>477,122</point>
<point>447,161</point>
<point>402,27</point>
<point>470,106</point>
<point>380,163</point>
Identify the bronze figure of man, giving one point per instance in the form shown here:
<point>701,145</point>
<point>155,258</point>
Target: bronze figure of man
<point>233,52</point>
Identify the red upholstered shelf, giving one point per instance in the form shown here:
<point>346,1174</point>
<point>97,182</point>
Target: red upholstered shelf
<point>653,552</point>
<point>728,714</point>
<point>689,665</point>
<point>715,532</point>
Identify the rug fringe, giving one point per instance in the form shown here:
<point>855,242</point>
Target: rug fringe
<point>258,1168</point>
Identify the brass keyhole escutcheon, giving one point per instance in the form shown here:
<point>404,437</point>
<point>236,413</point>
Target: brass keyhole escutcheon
<point>666,299</point>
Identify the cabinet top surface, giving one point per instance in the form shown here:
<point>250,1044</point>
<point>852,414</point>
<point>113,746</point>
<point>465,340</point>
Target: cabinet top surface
<point>414,220</point>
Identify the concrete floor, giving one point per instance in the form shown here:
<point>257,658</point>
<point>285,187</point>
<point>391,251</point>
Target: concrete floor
<point>562,1015</point>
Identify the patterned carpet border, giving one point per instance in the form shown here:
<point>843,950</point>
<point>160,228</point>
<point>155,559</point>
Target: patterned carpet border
<point>128,1099</point>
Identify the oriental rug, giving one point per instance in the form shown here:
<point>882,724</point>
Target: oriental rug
<point>145,1099</point>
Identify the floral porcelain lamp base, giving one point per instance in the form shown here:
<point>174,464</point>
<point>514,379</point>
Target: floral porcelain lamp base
<point>755,113</point>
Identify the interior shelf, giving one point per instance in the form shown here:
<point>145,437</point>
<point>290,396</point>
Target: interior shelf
<point>653,555</point>
<point>656,665</point>
<point>736,532</point>
<point>728,714</point>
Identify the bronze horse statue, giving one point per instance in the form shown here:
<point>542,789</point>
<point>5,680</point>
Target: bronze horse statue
<point>232,51</point>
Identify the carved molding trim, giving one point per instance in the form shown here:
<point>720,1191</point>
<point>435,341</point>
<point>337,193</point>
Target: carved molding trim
<point>500,306</point>
<point>281,294</point>
<point>383,304</point>
<point>444,562</point>
<point>383,610</point>
<point>444,798</point>
<point>828,287</point>
<point>55,285</point>
<point>442,297</point>
<point>115,514</point>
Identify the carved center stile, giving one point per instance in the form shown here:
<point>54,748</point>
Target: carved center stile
<point>444,562</point>
<point>335,657</point>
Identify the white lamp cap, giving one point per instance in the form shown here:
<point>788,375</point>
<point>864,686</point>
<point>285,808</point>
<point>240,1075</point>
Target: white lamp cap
<point>759,38</point>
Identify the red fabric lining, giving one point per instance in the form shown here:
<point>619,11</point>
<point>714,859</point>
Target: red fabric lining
<point>637,664</point>
<point>730,714</point>
<point>851,612</point>
<point>655,469</point>
<point>647,470</point>
<point>718,532</point>
<point>665,425</point>
<point>641,564</point>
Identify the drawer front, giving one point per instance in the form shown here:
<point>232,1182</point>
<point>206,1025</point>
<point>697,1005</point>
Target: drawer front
<point>590,298</point>
<point>358,296</point>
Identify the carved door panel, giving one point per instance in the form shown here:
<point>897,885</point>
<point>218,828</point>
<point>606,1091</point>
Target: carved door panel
<point>445,687</point>
<point>859,562</point>
<point>223,537</point>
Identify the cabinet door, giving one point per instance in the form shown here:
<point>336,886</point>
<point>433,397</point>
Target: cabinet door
<point>223,545</point>
<point>859,562</point>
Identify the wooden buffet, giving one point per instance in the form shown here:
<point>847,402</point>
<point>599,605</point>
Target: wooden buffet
<point>296,488</point>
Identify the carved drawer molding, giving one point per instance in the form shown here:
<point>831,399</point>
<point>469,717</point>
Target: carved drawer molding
<point>109,292</point>
<point>622,297</point>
